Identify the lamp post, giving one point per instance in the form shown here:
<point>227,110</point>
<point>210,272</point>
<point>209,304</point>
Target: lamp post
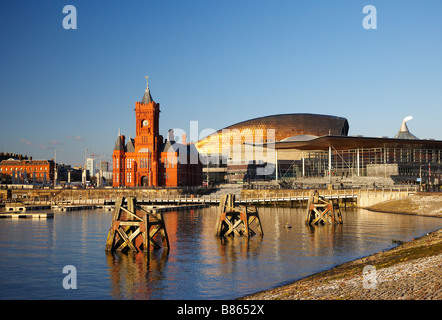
<point>55,168</point>
<point>420,178</point>
<point>207,160</point>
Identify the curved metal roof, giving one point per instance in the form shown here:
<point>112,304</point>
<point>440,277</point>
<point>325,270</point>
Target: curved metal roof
<point>298,123</point>
<point>302,137</point>
<point>286,126</point>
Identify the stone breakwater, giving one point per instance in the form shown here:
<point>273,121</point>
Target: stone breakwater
<point>410,271</point>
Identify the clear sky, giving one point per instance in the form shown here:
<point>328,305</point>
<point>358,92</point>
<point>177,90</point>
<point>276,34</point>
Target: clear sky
<point>217,62</point>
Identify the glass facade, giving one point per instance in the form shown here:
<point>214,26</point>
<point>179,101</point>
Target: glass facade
<point>404,163</point>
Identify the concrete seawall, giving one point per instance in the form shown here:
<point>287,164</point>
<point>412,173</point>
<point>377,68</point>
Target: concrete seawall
<point>359,197</point>
<point>424,204</point>
<point>369,198</point>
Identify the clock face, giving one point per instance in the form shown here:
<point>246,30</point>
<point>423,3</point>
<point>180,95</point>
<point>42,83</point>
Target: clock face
<point>145,123</point>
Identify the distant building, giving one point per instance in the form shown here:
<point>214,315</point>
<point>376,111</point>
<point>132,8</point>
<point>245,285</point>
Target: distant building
<point>6,156</point>
<point>104,166</point>
<point>147,160</point>
<point>68,174</point>
<point>27,171</point>
<point>90,166</point>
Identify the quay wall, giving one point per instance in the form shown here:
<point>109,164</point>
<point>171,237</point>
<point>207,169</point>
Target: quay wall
<point>358,197</point>
<point>299,197</point>
<point>369,198</point>
<point>90,193</point>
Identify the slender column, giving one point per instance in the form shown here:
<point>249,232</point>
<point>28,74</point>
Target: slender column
<point>276,164</point>
<point>329,164</point>
<point>357,160</point>
<point>303,164</point>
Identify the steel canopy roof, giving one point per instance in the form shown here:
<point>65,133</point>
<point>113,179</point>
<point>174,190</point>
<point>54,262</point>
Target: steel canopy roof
<point>349,142</point>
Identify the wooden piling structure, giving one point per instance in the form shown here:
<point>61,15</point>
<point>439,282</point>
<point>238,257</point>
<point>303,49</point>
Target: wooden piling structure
<point>321,210</point>
<point>135,228</point>
<point>234,221</point>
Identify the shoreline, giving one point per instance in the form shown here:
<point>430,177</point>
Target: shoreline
<point>410,271</point>
<point>421,204</point>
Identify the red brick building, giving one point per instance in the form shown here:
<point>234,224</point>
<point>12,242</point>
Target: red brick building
<point>147,160</point>
<point>26,171</point>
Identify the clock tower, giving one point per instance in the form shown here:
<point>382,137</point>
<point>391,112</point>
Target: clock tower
<point>147,140</point>
<point>147,160</point>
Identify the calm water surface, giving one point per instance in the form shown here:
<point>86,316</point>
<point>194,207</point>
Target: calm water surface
<point>198,266</point>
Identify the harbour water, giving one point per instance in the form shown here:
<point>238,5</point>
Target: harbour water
<point>34,252</point>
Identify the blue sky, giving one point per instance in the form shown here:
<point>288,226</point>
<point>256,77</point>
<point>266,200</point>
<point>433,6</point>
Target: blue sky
<point>217,62</point>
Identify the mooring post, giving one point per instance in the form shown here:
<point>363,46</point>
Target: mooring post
<point>321,210</point>
<point>232,221</point>
<point>134,228</point>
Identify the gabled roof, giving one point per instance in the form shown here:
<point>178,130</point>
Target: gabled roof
<point>169,146</point>
<point>119,144</point>
<point>130,146</point>
<point>172,146</point>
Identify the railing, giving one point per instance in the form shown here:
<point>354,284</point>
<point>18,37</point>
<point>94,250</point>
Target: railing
<point>259,197</point>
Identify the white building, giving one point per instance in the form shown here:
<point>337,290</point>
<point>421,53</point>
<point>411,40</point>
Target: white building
<point>90,166</point>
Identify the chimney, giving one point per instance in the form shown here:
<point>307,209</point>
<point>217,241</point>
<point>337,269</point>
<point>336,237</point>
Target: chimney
<point>184,139</point>
<point>170,135</point>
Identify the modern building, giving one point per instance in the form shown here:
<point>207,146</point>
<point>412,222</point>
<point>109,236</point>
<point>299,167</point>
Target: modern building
<point>90,166</point>
<point>236,153</point>
<point>104,176</point>
<point>27,171</point>
<point>410,160</point>
<point>148,160</point>
<point>104,166</point>
<point>302,145</point>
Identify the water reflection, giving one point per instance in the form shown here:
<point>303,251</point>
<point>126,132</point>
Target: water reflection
<point>199,264</point>
<point>235,248</point>
<point>130,273</point>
